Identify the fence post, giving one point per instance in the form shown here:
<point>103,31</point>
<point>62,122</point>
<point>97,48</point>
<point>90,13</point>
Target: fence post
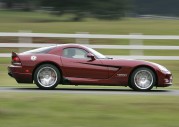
<point>24,39</point>
<point>82,40</point>
<point>136,42</point>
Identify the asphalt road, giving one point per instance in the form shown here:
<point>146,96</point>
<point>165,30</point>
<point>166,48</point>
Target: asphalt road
<point>90,91</point>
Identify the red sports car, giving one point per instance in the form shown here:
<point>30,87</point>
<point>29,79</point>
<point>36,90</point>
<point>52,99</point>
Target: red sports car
<point>80,65</point>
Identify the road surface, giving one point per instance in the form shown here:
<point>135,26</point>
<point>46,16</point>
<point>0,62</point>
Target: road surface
<point>90,91</point>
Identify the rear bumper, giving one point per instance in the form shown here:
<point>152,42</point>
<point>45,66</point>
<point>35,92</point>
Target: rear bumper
<point>19,74</point>
<point>9,73</point>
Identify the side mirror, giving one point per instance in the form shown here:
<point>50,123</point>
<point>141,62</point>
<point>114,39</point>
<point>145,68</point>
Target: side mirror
<point>91,56</point>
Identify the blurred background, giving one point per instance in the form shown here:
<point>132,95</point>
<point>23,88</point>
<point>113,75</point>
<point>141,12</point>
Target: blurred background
<point>111,17</point>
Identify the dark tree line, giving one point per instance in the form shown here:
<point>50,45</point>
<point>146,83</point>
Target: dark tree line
<point>156,7</point>
<point>104,9</point>
<point>26,5</point>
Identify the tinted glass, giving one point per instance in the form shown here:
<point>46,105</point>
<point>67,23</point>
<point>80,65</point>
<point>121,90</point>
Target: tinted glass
<point>39,50</point>
<point>75,53</point>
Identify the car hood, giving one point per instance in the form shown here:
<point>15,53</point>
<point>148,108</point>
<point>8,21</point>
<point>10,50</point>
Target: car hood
<point>134,63</point>
<point>128,63</point>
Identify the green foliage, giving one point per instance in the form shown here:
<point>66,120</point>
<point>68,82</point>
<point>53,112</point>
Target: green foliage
<point>110,9</point>
<point>157,7</point>
<point>106,9</point>
<point>25,5</point>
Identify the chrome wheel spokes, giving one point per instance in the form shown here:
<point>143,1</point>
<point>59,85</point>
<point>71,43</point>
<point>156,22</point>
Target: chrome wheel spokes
<point>47,76</point>
<point>143,79</point>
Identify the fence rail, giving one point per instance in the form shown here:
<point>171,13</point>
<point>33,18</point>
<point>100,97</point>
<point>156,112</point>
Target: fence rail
<point>137,47</point>
<point>4,55</point>
<point>97,36</point>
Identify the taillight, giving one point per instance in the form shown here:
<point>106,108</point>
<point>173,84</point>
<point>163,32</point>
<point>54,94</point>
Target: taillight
<point>16,60</point>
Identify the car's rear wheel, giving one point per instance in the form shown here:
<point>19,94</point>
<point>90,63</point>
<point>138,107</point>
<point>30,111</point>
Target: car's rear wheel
<point>47,76</point>
<point>143,79</point>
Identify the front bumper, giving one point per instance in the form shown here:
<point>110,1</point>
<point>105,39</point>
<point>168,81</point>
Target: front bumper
<point>164,79</point>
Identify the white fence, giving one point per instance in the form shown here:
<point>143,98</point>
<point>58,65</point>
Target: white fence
<point>98,36</point>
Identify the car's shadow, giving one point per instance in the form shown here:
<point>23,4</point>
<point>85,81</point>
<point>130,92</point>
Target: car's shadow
<point>92,90</point>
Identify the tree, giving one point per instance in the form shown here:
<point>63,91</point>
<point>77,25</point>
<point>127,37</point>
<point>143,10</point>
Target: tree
<point>8,3</point>
<point>109,9</point>
<point>156,7</point>
<point>106,9</point>
<point>27,4</point>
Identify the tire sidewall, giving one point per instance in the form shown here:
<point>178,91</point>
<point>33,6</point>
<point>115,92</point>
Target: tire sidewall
<point>134,86</point>
<point>51,66</point>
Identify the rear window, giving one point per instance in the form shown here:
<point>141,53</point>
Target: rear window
<point>39,50</point>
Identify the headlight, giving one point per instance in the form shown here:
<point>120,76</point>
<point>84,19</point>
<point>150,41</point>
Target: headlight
<point>162,68</point>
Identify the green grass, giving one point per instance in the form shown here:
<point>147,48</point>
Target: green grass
<point>26,17</point>
<point>124,26</point>
<point>4,61</point>
<point>76,110</point>
<point>42,22</point>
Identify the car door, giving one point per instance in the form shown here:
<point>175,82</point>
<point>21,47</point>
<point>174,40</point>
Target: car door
<point>77,64</point>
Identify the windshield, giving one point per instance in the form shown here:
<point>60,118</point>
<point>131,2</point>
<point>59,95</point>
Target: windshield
<point>97,54</point>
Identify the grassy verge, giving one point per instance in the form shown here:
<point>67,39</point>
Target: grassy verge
<point>104,27</point>
<point>14,21</point>
<point>75,110</point>
<point>4,61</point>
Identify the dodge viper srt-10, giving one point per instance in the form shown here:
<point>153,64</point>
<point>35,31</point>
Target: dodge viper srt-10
<point>80,65</point>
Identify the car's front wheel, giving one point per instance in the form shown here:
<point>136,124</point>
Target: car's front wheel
<point>47,76</point>
<point>143,79</point>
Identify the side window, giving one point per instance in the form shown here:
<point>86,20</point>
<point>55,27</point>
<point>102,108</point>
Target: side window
<point>75,53</point>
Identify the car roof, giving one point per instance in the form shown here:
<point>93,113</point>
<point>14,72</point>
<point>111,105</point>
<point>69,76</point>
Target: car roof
<point>71,45</point>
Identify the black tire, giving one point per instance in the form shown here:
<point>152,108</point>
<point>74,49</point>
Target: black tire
<point>130,86</point>
<point>143,79</point>
<point>47,76</point>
